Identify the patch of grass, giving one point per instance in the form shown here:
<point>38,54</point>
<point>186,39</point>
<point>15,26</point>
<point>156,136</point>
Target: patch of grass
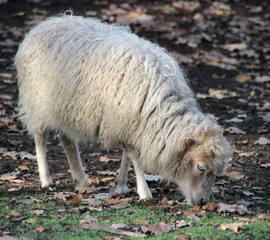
<point>62,222</point>
<point>266,153</point>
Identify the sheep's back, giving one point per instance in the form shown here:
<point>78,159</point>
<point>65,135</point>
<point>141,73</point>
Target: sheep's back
<point>91,80</point>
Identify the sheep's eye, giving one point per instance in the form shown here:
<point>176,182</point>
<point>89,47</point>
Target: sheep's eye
<point>202,167</point>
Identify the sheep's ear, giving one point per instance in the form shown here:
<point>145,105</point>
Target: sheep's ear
<point>190,142</point>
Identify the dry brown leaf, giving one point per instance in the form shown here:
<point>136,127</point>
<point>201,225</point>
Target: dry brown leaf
<point>112,201</point>
<point>82,189</point>
<point>210,206</point>
<point>15,214</point>
<point>241,209</point>
<point>182,237</point>
<point>75,199</point>
<point>89,219</point>
<point>40,229</point>
<point>181,224</point>
<point>235,176</point>
<point>232,226</point>
<point>243,78</point>
<point>165,227</point>
<point>23,168</point>
<point>189,6</point>
<point>9,176</point>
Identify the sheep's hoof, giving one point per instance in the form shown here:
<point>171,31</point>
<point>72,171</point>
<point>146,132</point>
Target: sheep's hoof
<point>122,190</point>
<point>145,195</point>
<point>47,183</point>
<point>83,183</point>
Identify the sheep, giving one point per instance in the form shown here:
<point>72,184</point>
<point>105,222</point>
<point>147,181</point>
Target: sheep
<point>92,81</point>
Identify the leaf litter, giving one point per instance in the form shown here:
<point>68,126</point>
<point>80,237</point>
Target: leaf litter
<point>193,37</point>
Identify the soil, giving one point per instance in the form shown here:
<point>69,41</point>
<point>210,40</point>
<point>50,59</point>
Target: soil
<point>250,159</point>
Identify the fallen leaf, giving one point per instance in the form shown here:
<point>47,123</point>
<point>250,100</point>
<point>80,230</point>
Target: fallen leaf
<point>9,176</point>
<point>107,179</point>
<point>75,199</point>
<point>37,212</point>
<point>109,159</point>
<point>165,203</point>
<point>101,196</point>
<point>40,229</point>
<point>235,176</point>
<point>189,6</point>
<point>262,79</point>
<point>246,154</point>
<point>89,219</point>
<point>23,168</point>
<point>112,201</point>
<point>154,229</point>
<point>210,206</point>
<point>235,46</point>
<point>244,202</point>
<point>194,217</point>
<point>241,209</point>
<point>82,189</point>
<point>31,221</point>
<point>247,193</point>
<point>165,227</point>
<point>262,141</point>
<point>15,214</point>
<point>220,94</point>
<point>182,237</point>
<point>92,202</point>
<point>243,78</point>
<point>232,226</point>
<point>14,189</point>
<point>265,165</point>
<point>235,130</point>
<point>182,223</point>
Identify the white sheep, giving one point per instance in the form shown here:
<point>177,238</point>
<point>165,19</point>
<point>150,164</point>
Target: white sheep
<point>92,81</point>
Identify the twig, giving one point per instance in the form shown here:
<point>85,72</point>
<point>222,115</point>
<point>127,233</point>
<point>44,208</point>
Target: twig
<point>105,228</point>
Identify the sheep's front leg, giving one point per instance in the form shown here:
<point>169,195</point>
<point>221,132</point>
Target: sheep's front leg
<point>43,169</point>
<point>142,187</point>
<point>74,160</point>
<point>121,180</point>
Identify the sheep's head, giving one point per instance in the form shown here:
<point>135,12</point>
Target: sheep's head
<point>200,165</point>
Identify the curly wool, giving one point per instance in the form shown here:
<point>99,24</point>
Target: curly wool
<point>95,81</point>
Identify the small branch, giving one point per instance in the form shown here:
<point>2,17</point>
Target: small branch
<point>105,228</point>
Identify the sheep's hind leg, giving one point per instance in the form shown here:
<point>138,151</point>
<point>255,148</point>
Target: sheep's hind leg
<point>142,187</point>
<point>74,160</point>
<point>121,180</point>
<point>44,174</point>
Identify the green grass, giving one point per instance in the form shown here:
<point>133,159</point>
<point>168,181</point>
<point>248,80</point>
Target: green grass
<point>62,222</point>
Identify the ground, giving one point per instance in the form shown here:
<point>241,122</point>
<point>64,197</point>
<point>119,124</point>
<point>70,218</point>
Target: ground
<point>223,47</point>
